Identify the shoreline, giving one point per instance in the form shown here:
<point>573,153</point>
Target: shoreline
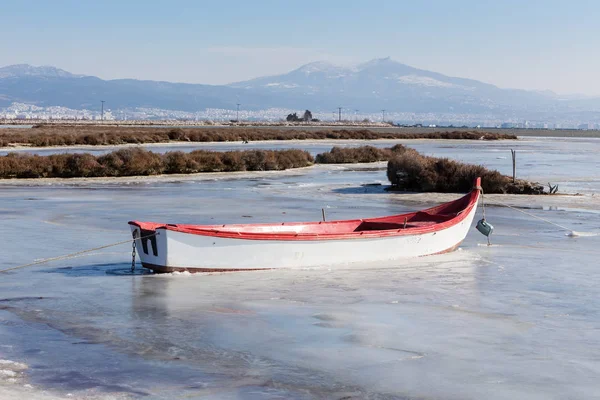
<point>50,136</point>
<point>124,168</point>
<point>192,124</point>
<point>179,144</point>
<point>81,169</point>
<point>26,125</point>
<point>583,201</point>
<point>164,178</point>
<point>235,175</point>
<point>176,144</point>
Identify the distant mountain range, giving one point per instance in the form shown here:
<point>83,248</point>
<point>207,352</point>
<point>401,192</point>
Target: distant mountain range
<point>369,87</point>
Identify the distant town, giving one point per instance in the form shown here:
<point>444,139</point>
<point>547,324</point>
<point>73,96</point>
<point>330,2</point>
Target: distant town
<point>27,114</point>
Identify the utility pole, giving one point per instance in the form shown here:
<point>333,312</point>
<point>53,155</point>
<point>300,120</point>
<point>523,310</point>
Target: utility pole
<point>356,115</point>
<point>237,117</point>
<point>102,112</point>
<point>340,114</point>
<point>382,115</point>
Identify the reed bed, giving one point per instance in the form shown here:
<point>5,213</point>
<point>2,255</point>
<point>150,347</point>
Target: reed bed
<point>363,154</point>
<point>137,161</point>
<point>410,171</point>
<point>47,136</point>
<point>407,170</point>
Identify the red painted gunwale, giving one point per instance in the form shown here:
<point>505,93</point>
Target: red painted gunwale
<point>430,220</point>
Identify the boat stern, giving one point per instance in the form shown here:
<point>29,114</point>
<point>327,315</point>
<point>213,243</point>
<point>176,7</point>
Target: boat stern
<point>150,243</point>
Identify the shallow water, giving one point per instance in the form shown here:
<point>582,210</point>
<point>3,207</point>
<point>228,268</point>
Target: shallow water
<point>15,126</point>
<point>519,319</point>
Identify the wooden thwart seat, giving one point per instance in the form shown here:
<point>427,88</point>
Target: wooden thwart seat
<point>424,216</point>
<point>419,219</point>
<point>377,226</point>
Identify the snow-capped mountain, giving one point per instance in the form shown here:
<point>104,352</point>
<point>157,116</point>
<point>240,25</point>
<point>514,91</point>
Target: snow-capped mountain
<point>320,75</point>
<point>385,83</point>
<point>320,86</point>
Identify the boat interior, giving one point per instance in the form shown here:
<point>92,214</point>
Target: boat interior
<point>432,216</point>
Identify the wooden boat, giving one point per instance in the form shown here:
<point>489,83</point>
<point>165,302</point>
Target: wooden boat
<point>207,248</point>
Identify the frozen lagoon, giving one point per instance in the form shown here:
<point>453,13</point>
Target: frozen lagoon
<point>516,320</point>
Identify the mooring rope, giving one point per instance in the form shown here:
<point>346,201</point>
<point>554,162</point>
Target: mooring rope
<point>572,232</point>
<point>553,248</point>
<point>531,215</point>
<point>72,255</point>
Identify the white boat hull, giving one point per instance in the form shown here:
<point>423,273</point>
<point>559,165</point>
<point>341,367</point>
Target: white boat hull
<point>181,251</point>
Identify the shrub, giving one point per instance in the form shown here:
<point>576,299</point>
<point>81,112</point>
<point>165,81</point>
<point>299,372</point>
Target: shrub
<point>82,165</point>
<point>257,160</point>
<point>414,172</point>
<point>293,159</point>
<point>363,154</point>
<point>176,134</point>
<point>207,161</point>
<point>177,162</point>
<point>137,161</point>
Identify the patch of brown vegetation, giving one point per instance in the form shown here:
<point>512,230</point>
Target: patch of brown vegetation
<point>137,161</point>
<point>351,155</point>
<point>48,135</point>
<point>411,171</point>
<point>406,170</point>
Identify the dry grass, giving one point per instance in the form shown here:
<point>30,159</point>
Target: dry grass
<point>412,171</point>
<point>407,169</point>
<point>47,135</point>
<point>363,154</point>
<point>132,162</point>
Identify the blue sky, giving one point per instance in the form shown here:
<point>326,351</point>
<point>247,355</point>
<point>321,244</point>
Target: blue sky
<point>531,44</point>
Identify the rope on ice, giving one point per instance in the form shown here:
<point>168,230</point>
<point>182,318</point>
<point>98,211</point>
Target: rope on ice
<point>571,232</point>
<point>72,255</point>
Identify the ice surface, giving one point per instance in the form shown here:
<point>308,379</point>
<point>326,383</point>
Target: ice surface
<point>518,319</point>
